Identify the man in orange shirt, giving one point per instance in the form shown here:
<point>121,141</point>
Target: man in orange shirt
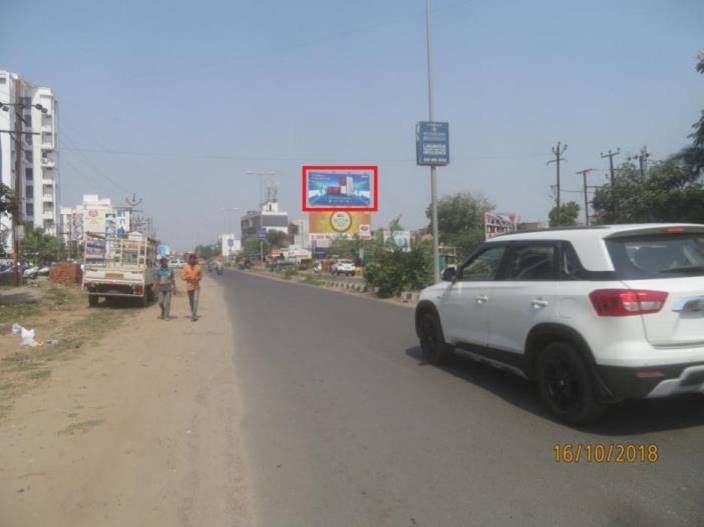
<point>192,275</point>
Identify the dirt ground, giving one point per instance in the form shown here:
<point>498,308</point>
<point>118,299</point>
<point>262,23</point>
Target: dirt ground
<point>141,428</point>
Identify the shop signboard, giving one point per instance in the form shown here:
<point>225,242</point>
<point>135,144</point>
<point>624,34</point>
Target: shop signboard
<point>497,223</point>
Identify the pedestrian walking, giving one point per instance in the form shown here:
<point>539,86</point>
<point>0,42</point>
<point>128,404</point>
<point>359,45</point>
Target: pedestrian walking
<point>165,283</point>
<point>192,275</point>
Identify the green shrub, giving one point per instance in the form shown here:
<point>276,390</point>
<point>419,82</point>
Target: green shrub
<point>395,271</point>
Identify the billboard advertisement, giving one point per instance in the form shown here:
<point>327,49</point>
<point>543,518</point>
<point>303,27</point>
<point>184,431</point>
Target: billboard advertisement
<point>496,223</point>
<point>94,221</point>
<point>331,188</point>
<point>401,239</point>
<point>346,224</point>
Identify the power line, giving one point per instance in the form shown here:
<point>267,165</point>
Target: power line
<point>300,158</point>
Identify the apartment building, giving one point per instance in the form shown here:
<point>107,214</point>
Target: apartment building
<point>39,189</point>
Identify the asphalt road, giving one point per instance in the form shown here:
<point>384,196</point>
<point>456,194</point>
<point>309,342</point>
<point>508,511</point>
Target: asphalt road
<point>344,425</point>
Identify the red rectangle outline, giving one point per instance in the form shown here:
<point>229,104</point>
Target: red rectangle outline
<point>304,180</point>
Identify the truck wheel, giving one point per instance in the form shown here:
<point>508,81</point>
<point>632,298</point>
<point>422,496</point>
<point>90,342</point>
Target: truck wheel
<point>145,299</point>
<point>566,385</point>
<point>93,300</point>
<point>432,341</point>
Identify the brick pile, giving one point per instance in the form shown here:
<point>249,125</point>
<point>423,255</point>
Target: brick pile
<point>66,273</point>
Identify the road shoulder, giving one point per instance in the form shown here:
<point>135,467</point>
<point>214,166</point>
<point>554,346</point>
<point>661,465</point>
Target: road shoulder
<point>143,429</point>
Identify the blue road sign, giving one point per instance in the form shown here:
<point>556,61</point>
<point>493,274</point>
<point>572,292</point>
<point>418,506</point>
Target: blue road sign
<point>432,143</point>
<point>261,233</point>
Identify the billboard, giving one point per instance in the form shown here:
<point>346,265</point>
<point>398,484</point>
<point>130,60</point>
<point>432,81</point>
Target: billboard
<point>94,221</point>
<point>496,223</point>
<point>345,224</point>
<point>401,239</point>
<point>337,187</point>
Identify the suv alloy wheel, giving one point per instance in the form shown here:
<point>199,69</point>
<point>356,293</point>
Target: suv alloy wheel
<point>566,385</point>
<point>432,341</point>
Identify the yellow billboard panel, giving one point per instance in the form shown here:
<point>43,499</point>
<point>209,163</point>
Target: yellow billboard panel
<point>346,223</point>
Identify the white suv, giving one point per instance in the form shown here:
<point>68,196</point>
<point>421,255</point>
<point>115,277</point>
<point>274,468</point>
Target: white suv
<point>594,315</point>
<point>345,267</point>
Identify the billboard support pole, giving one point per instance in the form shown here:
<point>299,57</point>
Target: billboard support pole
<point>433,175</point>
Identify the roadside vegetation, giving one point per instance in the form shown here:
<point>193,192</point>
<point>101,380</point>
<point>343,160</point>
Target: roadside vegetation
<point>63,325</point>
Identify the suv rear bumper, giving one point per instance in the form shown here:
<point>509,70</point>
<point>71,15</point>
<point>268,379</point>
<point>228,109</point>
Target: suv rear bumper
<point>652,381</point>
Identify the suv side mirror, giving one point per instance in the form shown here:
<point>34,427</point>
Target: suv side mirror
<point>449,274</point>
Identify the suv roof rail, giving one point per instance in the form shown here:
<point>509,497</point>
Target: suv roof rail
<point>553,229</point>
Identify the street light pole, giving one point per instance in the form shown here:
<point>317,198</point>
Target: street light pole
<point>433,175</point>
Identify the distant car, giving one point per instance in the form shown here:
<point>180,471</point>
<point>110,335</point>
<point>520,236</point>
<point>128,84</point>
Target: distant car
<point>176,263</point>
<point>343,266</point>
<point>31,272</point>
<point>44,271</point>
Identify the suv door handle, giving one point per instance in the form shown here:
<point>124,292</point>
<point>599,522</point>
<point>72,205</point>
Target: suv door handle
<point>481,299</point>
<point>539,302</point>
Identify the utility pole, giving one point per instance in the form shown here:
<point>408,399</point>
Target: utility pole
<point>642,161</point>
<point>433,175</point>
<point>586,195</point>
<point>132,204</point>
<point>611,155</point>
<point>557,152</point>
<point>17,216</point>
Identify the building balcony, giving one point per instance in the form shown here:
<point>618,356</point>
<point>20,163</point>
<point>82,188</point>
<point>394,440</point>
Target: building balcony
<point>48,163</point>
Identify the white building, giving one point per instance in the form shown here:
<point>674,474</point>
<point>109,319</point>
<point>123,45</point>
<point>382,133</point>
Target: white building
<point>301,238</point>
<point>39,155</point>
<point>229,245</point>
<point>269,218</point>
<point>96,215</point>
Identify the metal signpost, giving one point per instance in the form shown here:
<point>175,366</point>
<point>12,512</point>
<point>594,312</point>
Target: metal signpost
<point>261,234</point>
<point>432,146</point>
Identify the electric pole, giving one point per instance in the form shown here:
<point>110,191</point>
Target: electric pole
<point>132,204</point>
<point>611,155</point>
<point>642,161</point>
<point>17,216</point>
<point>586,191</point>
<point>557,151</point>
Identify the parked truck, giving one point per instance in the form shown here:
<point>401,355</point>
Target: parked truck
<point>119,267</point>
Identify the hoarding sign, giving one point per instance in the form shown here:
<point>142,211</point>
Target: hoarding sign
<point>261,234</point>
<point>401,239</point>
<point>331,188</point>
<point>343,224</point>
<point>496,223</point>
<point>432,143</point>
<point>94,221</point>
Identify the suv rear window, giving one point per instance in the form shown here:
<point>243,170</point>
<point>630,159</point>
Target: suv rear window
<point>657,256</point>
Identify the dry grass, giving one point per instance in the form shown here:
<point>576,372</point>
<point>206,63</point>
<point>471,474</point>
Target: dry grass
<point>57,312</point>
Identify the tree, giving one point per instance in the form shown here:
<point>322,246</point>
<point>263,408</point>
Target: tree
<point>566,216</point>
<point>40,248</point>
<point>292,233</point>
<point>7,205</point>
<point>670,192</point>
<point>251,248</point>
<point>207,251</point>
<point>461,220</point>
<point>693,155</point>
<point>7,201</point>
<point>277,238</point>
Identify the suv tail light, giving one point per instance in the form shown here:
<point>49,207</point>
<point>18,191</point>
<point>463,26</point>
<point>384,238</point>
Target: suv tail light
<point>626,302</point>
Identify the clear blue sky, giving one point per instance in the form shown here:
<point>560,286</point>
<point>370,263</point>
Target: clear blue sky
<point>197,93</point>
